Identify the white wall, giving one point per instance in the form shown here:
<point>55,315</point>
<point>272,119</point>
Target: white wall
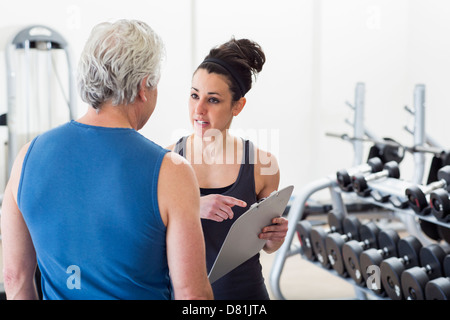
<point>317,50</point>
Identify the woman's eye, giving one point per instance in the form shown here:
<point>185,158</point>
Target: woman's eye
<point>214,100</point>
<point>194,96</point>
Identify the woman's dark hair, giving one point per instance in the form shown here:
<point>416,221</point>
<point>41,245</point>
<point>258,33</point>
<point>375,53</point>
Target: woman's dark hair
<point>238,60</point>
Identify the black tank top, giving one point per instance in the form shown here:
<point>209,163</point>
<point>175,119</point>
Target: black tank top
<point>245,282</point>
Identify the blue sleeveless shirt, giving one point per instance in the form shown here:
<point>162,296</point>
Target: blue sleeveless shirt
<point>89,198</point>
<point>245,282</point>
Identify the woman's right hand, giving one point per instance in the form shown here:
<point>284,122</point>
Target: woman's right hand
<point>217,207</point>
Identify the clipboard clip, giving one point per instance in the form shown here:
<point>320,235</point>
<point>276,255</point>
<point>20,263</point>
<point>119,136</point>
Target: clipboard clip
<point>273,193</point>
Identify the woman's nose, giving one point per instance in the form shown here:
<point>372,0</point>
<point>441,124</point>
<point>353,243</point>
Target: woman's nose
<point>200,107</point>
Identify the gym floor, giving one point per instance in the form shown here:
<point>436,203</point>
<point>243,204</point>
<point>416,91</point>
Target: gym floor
<point>303,280</point>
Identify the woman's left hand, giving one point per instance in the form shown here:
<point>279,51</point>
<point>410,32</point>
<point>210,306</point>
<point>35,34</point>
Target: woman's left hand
<point>274,234</point>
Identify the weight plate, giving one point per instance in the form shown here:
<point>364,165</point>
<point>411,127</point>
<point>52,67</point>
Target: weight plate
<point>387,241</point>
<point>430,229</point>
<point>334,221</point>
<point>333,246</point>
<point>446,264</point>
<point>359,184</point>
<point>375,164</point>
<point>370,261</point>
<point>350,254</point>
<point>416,199</point>
<point>391,270</point>
<point>344,180</point>
<point>368,232</point>
<point>438,289</point>
<point>414,281</point>
<point>432,257</point>
<point>351,226</point>
<point>304,232</point>
<point>440,204</point>
<point>410,246</point>
<point>318,236</point>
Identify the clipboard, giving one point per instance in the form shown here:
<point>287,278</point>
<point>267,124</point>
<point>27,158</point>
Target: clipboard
<point>242,242</point>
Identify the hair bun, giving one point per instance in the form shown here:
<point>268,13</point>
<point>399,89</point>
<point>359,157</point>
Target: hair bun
<point>250,52</point>
<point>245,56</point>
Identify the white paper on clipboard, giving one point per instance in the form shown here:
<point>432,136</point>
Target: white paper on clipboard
<point>242,242</point>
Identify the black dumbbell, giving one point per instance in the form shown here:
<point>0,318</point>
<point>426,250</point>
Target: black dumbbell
<point>417,194</point>
<point>440,204</point>
<point>392,268</point>
<point>350,229</point>
<point>434,231</point>
<point>414,279</point>
<point>444,233</point>
<point>334,243</point>
<point>304,228</point>
<point>370,261</point>
<point>390,169</point>
<point>344,177</point>
<point>439,288</point>
<point>353,251</point>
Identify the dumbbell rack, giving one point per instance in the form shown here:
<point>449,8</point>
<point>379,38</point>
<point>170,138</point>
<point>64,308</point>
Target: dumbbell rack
<point>394,187</point>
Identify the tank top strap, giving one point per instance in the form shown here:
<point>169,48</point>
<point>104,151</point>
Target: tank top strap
<point>180,146</point>
<point>249,152</point>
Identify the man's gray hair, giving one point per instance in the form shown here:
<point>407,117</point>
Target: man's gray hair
<point>116,58</point>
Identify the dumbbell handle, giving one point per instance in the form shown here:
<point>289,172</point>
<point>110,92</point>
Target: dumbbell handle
<point>364,243</point>
<point>383,251</point>
<point>433,186</point>
<point>376,175</point>
<point>405,260</point>
<point>362,168</point>
<point>426,268</point>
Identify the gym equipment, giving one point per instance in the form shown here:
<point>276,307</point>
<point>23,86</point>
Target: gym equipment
<point>390,169</point>
<point>304,229</point>
<point>387,190</point>
<point>387,152</point>
<point>373,257</point>
<point>344,177</point>
<point>393,144</point>
<point>417,194</point>
<point>350,230</point>
<point>432,230</point>
<point>368,234</point>
<point>439,288</point>
<point>392,268</point>
<point>444,233</point>
<point>414,279</point>
<point>440,204</point>
<point>36,93</point>
<point>353,250</point>
<point>358,122</point>
<point>437,162</point>
<point>329,183</point>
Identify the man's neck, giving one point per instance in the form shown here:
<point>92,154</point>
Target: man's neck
<point>107,116</point>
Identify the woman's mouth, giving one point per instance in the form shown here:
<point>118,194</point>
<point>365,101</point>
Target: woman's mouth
<point>201,123</point>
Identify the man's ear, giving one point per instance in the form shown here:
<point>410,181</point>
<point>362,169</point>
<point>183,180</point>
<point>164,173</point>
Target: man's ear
<point>142,89</point>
